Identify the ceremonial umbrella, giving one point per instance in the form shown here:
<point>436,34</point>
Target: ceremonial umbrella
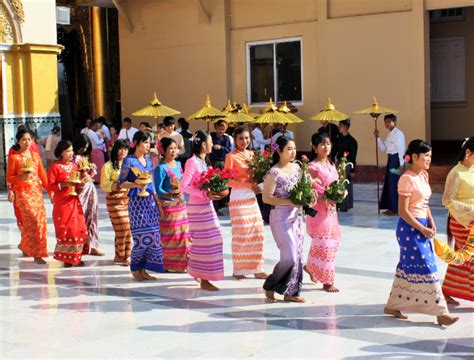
<point>284,109</point>
<point>271,116</point>
<point>207,113</point>
<point>374,112</point>
<point>329,113</point>
<point>236,115</point>
<point>156,109</point>
<point>247,110</point>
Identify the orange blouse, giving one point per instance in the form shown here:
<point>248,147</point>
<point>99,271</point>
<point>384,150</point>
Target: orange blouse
<point>15,171</point>
<point>236,160</point>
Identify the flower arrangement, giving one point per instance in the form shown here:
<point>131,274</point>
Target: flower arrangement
<point>259,165</point>
<point>302,192</point>
<point>214,179</point>
<point>337,190</point>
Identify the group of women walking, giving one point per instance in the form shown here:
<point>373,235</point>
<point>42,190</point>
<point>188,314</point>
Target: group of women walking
<point>172,234</point>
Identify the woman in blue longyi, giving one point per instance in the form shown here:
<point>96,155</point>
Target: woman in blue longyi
<point>143,211</point>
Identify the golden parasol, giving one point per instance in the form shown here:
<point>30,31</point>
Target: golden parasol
<point>271,116</point>
<point>156,109</point>
<point>247,110</point>
<point>329,113</point>
<point>236,115</point>
<point>207,113</point>
<point>228,108</point>
<point>293,119</point>
<point>374,112</point>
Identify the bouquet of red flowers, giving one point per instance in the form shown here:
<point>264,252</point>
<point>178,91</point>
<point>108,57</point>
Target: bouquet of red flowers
<point>259,165</point>
<point>214,179</point>
<point>337,190</point>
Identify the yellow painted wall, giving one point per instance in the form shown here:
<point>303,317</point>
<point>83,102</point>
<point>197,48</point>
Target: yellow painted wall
<point>352,50</point>
<point>448,119</point>
<point>32,79</point>
<point>345,8</point>
<point>251,13</point>
<point>174,51</point>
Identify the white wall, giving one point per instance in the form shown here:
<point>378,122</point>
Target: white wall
<point>40,22</point>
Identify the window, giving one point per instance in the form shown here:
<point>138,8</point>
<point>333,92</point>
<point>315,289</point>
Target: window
<point>274,70</point>
<point>448,69</point>
<point>446,15</point>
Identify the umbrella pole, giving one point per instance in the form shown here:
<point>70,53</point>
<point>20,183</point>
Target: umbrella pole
<point>378,170</point>
<point>251,137</point>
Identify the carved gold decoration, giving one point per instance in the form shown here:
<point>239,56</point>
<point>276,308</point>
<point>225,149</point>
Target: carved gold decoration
<point>18,7</point>
<point>7,33</point>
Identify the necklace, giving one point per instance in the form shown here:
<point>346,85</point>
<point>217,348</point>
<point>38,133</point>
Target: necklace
<point>244,153</point>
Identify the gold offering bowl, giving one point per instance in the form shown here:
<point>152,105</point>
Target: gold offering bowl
<point>28,167</point>
<point>75,178</point>
<point>143,180</point>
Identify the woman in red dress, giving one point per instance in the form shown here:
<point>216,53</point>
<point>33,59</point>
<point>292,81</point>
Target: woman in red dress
<point>68,217</point>
<point>27,178</point>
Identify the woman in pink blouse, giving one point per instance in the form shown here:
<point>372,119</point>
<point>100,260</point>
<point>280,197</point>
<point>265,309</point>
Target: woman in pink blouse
<point>206,261</point>
<point>416,287</point>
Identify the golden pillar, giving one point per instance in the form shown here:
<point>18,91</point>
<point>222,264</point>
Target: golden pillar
<point>99,49</point>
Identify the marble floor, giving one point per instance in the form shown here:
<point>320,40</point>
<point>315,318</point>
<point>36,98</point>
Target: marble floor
<point>99,312</point>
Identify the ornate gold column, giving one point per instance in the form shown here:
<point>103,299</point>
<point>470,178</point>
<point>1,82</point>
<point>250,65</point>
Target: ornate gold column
<point>99,49</point>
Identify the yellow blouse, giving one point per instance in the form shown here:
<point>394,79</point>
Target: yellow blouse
<point>109,176</point>
<point>458,194</point>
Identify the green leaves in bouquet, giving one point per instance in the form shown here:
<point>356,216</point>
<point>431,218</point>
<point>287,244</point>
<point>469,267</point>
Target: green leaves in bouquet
<point>337,190</point>
<point>259,165</point>
<point>302,193</point>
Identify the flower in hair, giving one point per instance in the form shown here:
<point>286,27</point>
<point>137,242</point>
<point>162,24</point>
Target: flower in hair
<point>465,142</point>
<point>407,158</point>
<point>133,144</point>
<point>275,147</point>
<point>193,138</point>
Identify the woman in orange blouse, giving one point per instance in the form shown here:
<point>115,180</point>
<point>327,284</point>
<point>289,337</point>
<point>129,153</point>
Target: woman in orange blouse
<point>245,217</point>
<point>27,176</point>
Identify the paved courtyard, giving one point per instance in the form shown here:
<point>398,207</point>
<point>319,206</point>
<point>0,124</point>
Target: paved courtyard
<point>99,312</point>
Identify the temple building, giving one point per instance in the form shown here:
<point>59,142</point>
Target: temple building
<point>415,56</point>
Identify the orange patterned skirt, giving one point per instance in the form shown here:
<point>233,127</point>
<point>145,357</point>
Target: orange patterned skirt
<point>247,232</point>
<point>459,280</point>
<point>30,204</point>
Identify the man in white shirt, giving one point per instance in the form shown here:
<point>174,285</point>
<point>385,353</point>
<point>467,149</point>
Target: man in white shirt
<point>127,131</point>
<point>98,147</point>
<point>258,140</point>
<point>283,132</point>
<point>394,147</point>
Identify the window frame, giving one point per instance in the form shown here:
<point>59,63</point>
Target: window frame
<point>274,42</point>
<point>435,98</point>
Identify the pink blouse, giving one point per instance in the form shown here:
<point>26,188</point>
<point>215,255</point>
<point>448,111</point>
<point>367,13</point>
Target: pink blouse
<point>194,167</point>
<point>417,188</point>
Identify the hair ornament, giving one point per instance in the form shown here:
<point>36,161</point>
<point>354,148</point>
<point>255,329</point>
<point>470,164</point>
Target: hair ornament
<point>133,144</point>
<point>275,147</point>
<point>465,142</point>
<point>407,158</point>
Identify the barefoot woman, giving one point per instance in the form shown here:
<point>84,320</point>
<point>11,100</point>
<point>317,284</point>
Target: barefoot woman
<point>245,217</point>
<point>416,287</point>
<point>324,227</point>
<point>27,185</point>
<point>206,260</point>
<point>143,210</point>
<point>286,223</point>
